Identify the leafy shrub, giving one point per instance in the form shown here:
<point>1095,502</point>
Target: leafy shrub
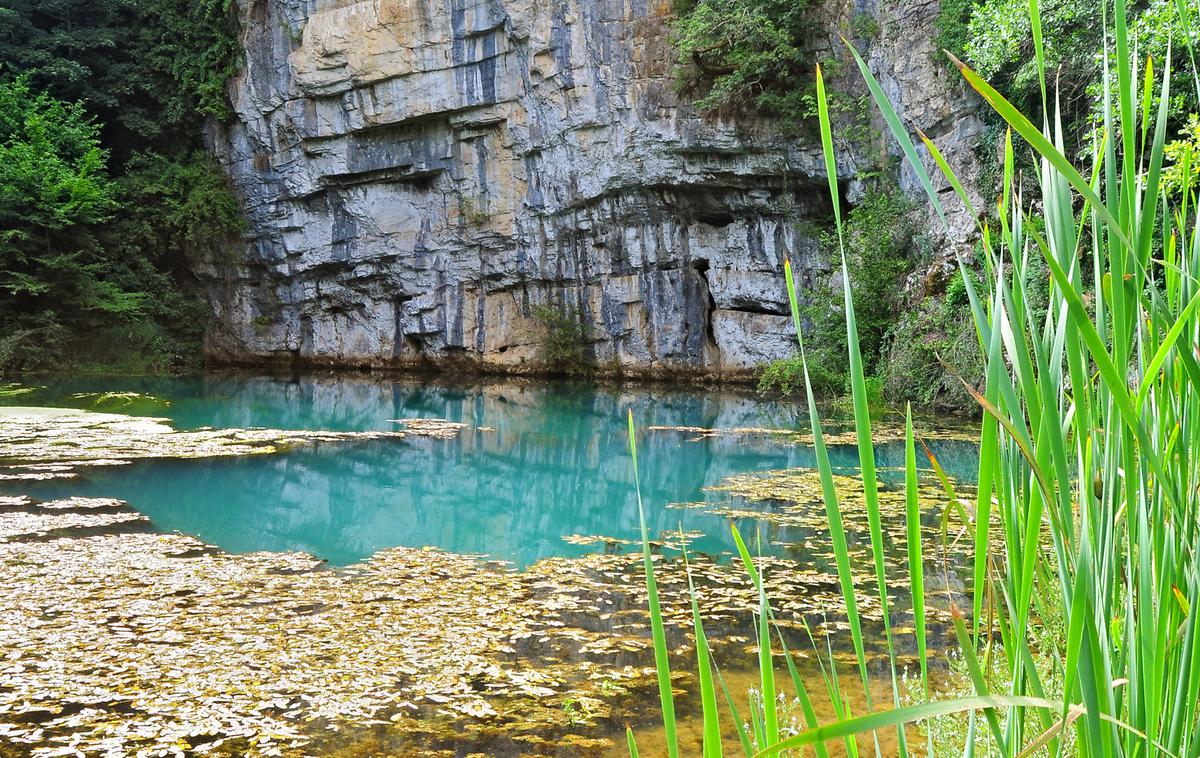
<point>786,377</point>
<point>562,340</point>
<point>930,350</point>
<point>878,234</point>
<point>1001,47</point>
<point>197,47</point>
<point>877,406</point>
<point>746,54</point>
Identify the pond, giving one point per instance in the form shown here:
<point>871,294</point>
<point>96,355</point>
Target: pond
<point>416,567</point>
<point>539,467</point>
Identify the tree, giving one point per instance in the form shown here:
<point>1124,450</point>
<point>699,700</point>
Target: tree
<point>53,191</point>
<point>746,54</point>
<point>98,89</point>
<point>145,69</point>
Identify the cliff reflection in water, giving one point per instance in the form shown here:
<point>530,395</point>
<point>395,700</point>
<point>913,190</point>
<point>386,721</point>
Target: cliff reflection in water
<point>539,462</point>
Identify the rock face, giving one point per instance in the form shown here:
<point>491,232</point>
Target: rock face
<point>917,79</point>
<point>420,176</point>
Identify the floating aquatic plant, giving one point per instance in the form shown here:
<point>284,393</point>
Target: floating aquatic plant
<point>40,443</point>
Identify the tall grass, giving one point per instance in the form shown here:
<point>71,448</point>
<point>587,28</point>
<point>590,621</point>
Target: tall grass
<point>1088,463</point>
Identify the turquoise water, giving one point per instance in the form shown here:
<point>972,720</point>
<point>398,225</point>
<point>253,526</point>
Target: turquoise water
<point>555,465</point>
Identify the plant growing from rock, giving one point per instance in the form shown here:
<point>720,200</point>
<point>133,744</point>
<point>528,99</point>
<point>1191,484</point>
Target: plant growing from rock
<point>562,340</point>
<point>746,54</point>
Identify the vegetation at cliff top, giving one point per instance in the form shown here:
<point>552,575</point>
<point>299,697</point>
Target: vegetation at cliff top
<point>997,39</point>
<point>105,191</point>
<point>745,54</point>
<point>1082,633</point>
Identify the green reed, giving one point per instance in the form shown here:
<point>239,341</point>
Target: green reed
<point>1089,469</point>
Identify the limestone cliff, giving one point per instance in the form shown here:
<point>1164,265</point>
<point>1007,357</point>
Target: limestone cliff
<point>419,174</point>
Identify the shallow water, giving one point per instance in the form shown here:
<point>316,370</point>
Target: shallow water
<point>426,652</point>
<point>542,462</point>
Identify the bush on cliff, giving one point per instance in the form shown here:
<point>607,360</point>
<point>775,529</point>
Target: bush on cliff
<point>878,235</point>
<point>562,340</point>
<point>746,55</point>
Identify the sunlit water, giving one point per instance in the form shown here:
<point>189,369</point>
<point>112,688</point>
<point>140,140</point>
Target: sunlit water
<point>551,462</point>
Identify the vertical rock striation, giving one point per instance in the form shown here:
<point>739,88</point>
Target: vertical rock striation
<point>419,174</point>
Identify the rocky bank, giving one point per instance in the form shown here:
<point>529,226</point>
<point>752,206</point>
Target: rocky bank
<point>420,175</point>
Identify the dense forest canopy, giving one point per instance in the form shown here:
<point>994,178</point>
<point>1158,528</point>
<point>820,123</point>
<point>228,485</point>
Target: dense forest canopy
<point>105,189</point>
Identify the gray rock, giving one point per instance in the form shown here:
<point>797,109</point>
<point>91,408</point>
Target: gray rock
<point>419,175</point>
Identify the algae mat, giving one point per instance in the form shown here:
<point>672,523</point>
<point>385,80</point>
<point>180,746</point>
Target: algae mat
<point>117,640</point>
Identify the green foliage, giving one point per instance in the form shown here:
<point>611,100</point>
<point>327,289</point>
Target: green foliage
<point>873,391</point>
<point>12,343</point>
<point>1000,47</point>
<point>746,55</point>
<point>563,340</point>
<point>1182,158</point>
<point>181,203</point>
<point>999,44</point>
<point>953,25</point>
<point>177,211</point>
<point>53,191</point>
<point>105,191</point>
<point>948,735</point>
<point>931,349</point>
<point>144,69</point>
<point>877,235</point>
<point>196,45</point>
<point>864,26</point>
<point>52,163</point>
<point>786,377</point>
<point>1083,632</point>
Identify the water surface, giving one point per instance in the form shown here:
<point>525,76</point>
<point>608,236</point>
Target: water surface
<point>541,462</point>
